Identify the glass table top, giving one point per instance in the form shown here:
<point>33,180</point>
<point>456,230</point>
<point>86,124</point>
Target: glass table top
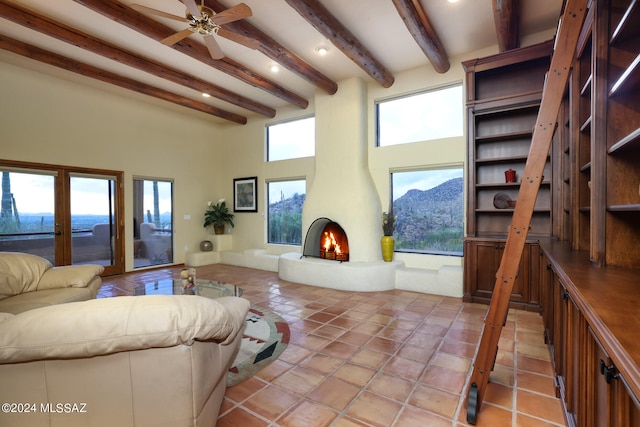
<point>203,287</point>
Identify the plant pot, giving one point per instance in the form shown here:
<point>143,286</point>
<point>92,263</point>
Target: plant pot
<point>218,229</point>
<point>387,245</point>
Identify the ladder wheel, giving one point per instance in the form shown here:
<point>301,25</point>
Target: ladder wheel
<point>472,404</point>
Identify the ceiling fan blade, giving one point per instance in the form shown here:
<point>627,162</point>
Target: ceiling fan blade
<point>192,6</point>
<point>234,13</point>
<point>175,38</point>
<point>214,48</point>
<point>239,38</point>
<point>144,9</point>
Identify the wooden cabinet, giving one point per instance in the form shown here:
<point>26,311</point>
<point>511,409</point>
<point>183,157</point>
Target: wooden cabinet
<point>503,97</point>
<point>591,323</point>
<point>481,261</point>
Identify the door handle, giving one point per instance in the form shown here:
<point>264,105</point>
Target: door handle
<point>58,233</point>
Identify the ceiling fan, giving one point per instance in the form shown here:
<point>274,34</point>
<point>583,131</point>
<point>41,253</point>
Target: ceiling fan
<point>206,22</point>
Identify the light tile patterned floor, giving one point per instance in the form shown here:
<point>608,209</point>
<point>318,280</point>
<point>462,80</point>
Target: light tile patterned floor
<point>394,358</point>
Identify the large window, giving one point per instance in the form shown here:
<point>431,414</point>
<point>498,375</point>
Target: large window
<point>153,222</point>
<point>285,211</point>
<point>420,117</point>
<point>290,140</point>
<point>428,205</point>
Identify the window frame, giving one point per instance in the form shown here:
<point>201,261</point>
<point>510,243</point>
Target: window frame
<point>379,102</point>
<point>268,210</point>
<point>267,142</point>
<point>430,168</point>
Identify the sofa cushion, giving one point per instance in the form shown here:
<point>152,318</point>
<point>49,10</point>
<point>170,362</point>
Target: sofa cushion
<point>32,300</point>
<point>20,272</point>
<point>111,325</point>
<point>70,276</point>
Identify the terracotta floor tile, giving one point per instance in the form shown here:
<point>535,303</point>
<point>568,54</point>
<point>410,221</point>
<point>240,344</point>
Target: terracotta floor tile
<point>490,416</point>
<point>334,393</point>
<point>413,417</point>
<point>362,359</point>
<point>274,370</point>
<point>299,380</point>
<point>271,402</point>
<point>390,386</point>
<point>369,358</point>
<point>404,368</point>
<point>544,407</point>
<point>499,395</point>
<point>322,363</point>
<point>339,349</point>
<point>240,417</point>
<point>308,414</point>
<point>450,361</point>
<point>354,374</point>
<point>433,400</point>
<point>537,383</point>
<point>374,409</point>
<point>354,338</point>
<point>444,379</point>
<point>459,348</point>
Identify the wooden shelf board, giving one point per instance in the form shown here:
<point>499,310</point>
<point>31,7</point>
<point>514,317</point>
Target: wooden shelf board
<point>508,185</point>
<point>586,87</point>
<point>496,160</point>
<point>629,80</point>
<point>624,208</point>
<point>505,136</point>
<point>630,140</point>
<point>586,167</point>
<point>510,211</point>
<point>628,23</point>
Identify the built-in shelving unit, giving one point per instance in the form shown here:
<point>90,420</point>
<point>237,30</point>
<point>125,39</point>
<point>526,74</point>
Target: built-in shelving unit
<point>504,92</point>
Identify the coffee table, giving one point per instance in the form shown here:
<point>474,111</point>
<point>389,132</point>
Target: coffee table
<point>203,287</point>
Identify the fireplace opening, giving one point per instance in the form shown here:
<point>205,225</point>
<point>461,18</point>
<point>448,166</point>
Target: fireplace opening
<point>326,239</point>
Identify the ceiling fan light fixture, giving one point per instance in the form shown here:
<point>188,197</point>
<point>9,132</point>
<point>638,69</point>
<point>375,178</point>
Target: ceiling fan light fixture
<point>202,24</point>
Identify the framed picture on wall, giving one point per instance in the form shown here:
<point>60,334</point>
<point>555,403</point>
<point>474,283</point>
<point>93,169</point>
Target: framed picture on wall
<point>245,194</point>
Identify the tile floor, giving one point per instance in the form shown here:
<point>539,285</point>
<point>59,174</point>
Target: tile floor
<point>394,358</point>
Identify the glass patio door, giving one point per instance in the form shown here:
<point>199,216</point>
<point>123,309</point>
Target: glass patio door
<point>66,215</point>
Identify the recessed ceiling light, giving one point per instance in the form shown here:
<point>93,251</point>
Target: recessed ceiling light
<point>274,68</point>
<point>322,50</point>
<point>206,95</point>
<point>453,1</point>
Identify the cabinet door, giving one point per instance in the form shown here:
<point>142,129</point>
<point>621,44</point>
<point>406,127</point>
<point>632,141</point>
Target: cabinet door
<point>608,401</point>
<point>482,260</point>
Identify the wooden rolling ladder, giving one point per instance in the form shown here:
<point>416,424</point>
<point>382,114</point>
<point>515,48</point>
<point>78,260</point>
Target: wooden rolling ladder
<point>552,94</point>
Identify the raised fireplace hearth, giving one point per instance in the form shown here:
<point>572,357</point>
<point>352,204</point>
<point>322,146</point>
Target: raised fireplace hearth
<point>326,239</point>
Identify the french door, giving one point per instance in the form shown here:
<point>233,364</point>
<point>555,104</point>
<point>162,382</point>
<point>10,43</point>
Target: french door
<point>67,215</point>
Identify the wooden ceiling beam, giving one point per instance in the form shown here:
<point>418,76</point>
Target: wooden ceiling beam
<point>506,15</point>
<point>62,32</point>
<point>69,64</point>
<point>277,52</point>
<point>327,25</point>
<point>125,15</point>
<point>418,24</point>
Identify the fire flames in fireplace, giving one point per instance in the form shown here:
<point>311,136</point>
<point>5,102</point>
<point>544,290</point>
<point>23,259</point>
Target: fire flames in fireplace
<point>326,240</point>
<point>333,242</point>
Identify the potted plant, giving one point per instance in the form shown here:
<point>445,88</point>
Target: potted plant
<point>218,215</point>
<point>387,242</point>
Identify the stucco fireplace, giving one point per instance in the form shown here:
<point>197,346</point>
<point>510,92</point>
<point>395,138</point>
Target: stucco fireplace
<point>342,157</point>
